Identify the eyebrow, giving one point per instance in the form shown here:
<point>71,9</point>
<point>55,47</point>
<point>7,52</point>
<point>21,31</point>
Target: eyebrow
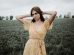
<point>34,13</point>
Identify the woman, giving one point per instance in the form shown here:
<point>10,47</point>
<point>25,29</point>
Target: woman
<point>37,28</point>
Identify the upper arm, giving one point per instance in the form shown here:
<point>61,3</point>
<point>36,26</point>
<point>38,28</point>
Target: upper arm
<point>25,22</point>
<point>52,17</point>
<point>20,19</point>
<point>49,22</point>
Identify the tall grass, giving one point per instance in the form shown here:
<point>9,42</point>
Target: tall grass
<point>58,41</point>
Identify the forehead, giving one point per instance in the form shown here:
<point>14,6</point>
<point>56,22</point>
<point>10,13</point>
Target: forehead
<point>34,12</point>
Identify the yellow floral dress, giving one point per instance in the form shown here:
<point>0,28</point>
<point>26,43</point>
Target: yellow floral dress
<point>35,44</point>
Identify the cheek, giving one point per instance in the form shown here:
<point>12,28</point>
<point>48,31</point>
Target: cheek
<point>38,16</point>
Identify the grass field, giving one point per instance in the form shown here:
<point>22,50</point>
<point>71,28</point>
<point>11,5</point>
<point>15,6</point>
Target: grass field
<point>58,41</point>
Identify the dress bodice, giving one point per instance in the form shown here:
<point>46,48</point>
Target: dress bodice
<point>40,32</point>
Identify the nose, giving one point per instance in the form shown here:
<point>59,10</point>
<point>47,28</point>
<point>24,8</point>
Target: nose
<point>34,16</point>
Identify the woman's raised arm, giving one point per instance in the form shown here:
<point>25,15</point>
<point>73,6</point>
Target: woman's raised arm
<point>21,18</point>
<point>52,15</point>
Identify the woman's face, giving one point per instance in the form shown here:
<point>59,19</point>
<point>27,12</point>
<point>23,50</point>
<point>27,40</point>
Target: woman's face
<point>35,15</point>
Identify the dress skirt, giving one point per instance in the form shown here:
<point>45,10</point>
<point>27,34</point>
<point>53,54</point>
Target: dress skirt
<point>34,47</point>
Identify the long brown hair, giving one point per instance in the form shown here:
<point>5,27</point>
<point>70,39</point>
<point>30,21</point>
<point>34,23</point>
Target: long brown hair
<point>38,10</point>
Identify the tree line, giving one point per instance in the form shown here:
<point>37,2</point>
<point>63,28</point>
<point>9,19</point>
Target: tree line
<point>6,17</point>
<point>59,16</point>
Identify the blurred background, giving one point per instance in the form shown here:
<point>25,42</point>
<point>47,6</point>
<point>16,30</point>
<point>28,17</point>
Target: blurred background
<point>59,40</point>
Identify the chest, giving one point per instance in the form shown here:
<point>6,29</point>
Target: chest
<point>37,28</point>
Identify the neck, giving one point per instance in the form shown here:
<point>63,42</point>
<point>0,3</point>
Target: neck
<point>37,21</point>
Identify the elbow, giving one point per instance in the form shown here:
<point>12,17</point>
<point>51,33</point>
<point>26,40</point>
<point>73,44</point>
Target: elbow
<point>55,13</point>
<point>17,17</point>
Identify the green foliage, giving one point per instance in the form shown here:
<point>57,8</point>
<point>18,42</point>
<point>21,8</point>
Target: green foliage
<point>72,16</point>
<point>12,37</point>
<point>58,41</point>
<point>11,17</point>
<point>1,17</point>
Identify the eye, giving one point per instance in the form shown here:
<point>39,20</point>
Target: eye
<point>36,13</point>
